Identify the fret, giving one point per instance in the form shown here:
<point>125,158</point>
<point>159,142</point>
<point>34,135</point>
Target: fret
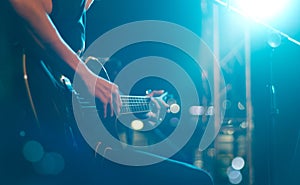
<point>130,104</point>
<point>134,104</point>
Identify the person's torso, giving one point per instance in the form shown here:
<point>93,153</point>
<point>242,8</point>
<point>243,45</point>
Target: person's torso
<point>69,18</point>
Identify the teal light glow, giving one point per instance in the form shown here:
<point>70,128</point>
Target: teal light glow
<point>260,9</point>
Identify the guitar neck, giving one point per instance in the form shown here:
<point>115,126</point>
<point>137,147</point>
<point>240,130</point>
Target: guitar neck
<point>130,104</point>
<point>134,104</point>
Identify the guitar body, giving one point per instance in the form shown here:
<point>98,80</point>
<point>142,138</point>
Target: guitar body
<point>133,122</point>
<point>67,109</point>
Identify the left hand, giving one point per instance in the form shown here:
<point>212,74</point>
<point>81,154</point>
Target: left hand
<point>156,114</point>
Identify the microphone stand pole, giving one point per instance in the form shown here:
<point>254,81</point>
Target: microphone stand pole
<point>273,112</point>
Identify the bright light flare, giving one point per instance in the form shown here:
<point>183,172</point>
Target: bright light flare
<point>234,176</point>
<point>137,125</point>
<point>174,108</point>
<point>260,9</point>
<point>238,163</point>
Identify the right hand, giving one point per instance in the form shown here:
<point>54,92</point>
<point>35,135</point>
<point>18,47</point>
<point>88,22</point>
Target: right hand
<point>107,92</point>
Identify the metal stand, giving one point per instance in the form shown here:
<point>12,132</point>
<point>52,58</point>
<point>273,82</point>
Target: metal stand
<point>273,111</point>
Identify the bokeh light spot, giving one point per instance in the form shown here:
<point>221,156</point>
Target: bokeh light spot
<point>33,151</point>
<point>51,164</point>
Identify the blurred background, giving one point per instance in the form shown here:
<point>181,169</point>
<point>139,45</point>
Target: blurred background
<point>256,44</point>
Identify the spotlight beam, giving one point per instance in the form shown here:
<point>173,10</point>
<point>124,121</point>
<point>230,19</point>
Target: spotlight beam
<point>271,28</point>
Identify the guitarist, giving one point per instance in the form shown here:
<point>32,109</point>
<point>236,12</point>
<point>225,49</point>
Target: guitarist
<point>57,29</point>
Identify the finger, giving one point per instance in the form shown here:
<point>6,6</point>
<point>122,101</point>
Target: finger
<point>155,102</point>
<point>119,103</point>
<point>152,123</point>
<point>116,101</point>
<point>151,114</point>
<point>163,103</point>
<point>153,118</point>
<point>156,92</point>
<point>104,110</point>
<point>111,107</point>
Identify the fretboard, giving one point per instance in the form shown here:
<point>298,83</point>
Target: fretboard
<point>130,104</point>
<point>134,104</point>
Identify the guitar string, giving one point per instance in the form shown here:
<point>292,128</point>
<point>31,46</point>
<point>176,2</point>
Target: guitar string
<point>127,106</point>
<point>129,103</point>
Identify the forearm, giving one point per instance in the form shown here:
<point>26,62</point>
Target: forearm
<point>35,15</point>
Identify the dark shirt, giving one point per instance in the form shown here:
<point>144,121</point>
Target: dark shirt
<point>69,17</point>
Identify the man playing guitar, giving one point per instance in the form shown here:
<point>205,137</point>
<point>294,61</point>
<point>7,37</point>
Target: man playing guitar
<point>57,29</point>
